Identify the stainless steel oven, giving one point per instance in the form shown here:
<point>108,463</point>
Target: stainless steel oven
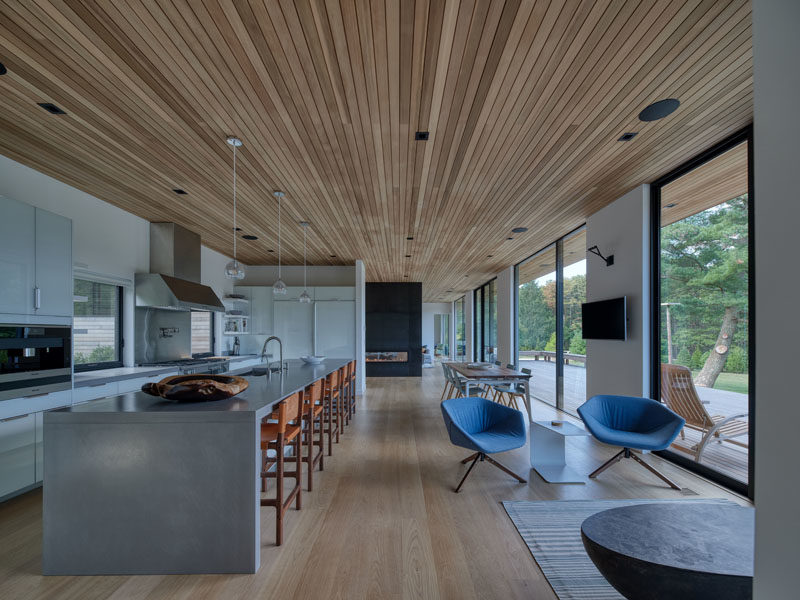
<point>34,359</point>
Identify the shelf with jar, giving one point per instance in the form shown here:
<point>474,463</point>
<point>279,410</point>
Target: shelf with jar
<point>235,324</point>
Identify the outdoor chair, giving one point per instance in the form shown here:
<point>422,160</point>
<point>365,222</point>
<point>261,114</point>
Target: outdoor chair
<point>485,427</point>
<point>680,395</point>
<point>633,423</point>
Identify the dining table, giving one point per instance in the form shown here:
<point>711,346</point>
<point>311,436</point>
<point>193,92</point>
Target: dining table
<point>488,374</point>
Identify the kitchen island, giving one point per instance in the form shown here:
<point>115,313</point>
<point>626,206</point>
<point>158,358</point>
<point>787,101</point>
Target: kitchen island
<point>134,484</point>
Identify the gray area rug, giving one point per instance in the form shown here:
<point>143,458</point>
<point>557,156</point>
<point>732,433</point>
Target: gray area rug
<point>552,531</point>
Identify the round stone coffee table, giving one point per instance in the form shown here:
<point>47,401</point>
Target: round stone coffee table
<point>674,550</point>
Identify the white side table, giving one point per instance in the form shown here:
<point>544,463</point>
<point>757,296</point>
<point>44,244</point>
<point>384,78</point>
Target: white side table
<point>547,451</point>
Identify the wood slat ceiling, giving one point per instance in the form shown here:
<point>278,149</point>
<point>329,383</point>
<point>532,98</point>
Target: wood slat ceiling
<point>524,102</point>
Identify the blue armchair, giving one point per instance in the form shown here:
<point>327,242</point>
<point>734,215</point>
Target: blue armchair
<point>486,427</point>
<point>633,423</point>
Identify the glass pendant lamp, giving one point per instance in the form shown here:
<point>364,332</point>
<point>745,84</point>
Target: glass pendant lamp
<point>305,298</point>
<point>279,288</point>
<point>234,269</point>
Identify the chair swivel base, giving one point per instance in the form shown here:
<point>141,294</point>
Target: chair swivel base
<point>627,453</point>
<point>482,456</point>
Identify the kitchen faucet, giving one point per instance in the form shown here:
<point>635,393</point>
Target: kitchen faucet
<point>264,354</point>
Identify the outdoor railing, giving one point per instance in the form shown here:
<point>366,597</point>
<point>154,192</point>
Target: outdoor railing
<point>549,355</point>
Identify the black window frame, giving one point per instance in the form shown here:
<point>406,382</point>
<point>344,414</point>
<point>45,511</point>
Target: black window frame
<point>478,345</point>
<point>109,364</point>
<point>212,335</point>
<point>743,135</point>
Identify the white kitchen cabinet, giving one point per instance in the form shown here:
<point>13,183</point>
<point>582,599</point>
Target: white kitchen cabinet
<point>335,328</point>
<point>335,293</point>
<point>261,310</point>
<point>93,392</point>
<point>35,252</point>
<point>293,293</point>
<point>17,453</point>
<point>294,324</point>
<point>17,256</point>
<point>53,264</point>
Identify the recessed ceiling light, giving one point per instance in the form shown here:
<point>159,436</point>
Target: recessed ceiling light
<point>405,275</point>
<point>237,228</point>
<point>52,108</point>
<point>670,205</point>
<point>411,237</point>
<point>333,256</point>
<point>659,110</point>
<point>3,69</point>
<point>270,250</point>
<point>179,191</point>
<point>249,237</point>
<point>421,136</point>
<point>489,255</point>
<point>627,137</point>
<point>519,230</point>
<point>408,256</point>
<point>509,238</point>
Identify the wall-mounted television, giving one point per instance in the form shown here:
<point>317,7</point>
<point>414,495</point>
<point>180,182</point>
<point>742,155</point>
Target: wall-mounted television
<point>605,320</point>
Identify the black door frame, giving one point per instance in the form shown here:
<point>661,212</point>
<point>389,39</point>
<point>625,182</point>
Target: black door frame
<point>743,135</point>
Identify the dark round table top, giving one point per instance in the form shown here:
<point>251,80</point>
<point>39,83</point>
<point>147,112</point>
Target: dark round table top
<point>703,537</point>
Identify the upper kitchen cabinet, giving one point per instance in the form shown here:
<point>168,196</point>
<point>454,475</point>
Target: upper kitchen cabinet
<point>17,256</point>
<point>293,293</point>
<point>35,261</point>
<point>53,264</point>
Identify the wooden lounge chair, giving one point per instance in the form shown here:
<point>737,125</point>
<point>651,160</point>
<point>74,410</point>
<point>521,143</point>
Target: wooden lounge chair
<point>679,394</point>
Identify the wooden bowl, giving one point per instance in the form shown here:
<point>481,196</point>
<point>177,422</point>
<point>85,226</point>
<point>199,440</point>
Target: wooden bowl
<point>196,388</point>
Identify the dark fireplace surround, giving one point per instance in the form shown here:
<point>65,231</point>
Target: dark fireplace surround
<point>394,324</point>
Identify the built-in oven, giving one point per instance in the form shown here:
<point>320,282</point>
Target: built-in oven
<point>34,359</point>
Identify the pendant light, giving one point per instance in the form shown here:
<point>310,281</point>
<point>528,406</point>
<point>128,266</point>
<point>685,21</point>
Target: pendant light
<point>234,269</point>
<point>304,297</point>
<point>279,288</point>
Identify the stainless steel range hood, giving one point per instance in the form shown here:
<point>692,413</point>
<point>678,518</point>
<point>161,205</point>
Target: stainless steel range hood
<point>174,279</point>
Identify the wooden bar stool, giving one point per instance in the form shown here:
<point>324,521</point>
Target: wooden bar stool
<point>343,420</point>
<point>313,409</point>
<point>331,397</point>
<point>346,390</point>
<point>284,428</point>
<point>352,406</point>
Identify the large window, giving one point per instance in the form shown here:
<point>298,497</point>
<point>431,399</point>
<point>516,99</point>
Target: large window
<point>551,286</point>
<point>461,330</point>
<point>702,217</point>
<point>486,322</point>
<point>96,325</point>
<point>202,332</point>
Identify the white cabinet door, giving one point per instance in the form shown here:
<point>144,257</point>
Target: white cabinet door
<point>294,324</point>
<point>336,329</point>
<point>261,310</point>
<point>54,264</point>
<point>17,257</point>
<point>335,292</point>
<point>17,453</point>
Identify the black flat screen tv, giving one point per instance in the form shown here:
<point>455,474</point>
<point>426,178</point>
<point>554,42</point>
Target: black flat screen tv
<point>605,320</point>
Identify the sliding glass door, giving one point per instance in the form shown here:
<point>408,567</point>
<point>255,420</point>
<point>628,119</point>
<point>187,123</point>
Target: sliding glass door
<point>486,322</point>
<point>460,329</point>
<point>703,330</point>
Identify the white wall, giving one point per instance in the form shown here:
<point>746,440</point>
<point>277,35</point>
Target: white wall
<point>429,309</point>
<point>106,240</point>
<point>776,46</point>
<point>506,352</point>
<point>621,229</point>
<point>361,326</point>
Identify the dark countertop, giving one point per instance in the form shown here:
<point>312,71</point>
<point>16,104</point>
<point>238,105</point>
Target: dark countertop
<point>258,398</point>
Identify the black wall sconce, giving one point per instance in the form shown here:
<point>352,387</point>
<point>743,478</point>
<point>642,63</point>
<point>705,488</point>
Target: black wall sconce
<point>609,259</point>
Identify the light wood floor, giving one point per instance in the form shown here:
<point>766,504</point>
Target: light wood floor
<point>383,521</point>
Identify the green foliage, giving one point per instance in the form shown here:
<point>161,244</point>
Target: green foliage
<point>550,346</point>
<point>577,345</point>
<point>101,299</point>
<point>704,268</point>
<point>99,354</point>
<point>737,360</point>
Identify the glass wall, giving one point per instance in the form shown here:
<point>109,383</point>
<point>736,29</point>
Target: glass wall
<point>461,331</point>
<point>96,325</point>
<point>574,294</point>
<point>536,322</point>
<point>477,335</point>
<point>704,309</point>
<point>202,332</point>
<point>486,322</point>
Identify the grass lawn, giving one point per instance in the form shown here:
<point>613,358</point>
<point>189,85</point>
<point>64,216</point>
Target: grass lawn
<point>730,382</point>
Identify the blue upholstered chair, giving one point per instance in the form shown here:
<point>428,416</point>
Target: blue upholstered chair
<point>633,423</point>
<point>485,427</point>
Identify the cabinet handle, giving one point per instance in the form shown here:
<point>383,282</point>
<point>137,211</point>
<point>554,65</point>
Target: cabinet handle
<point>37,298</point>
<point>97,385</point>
<point>7,419</point>
<point>38,395</point>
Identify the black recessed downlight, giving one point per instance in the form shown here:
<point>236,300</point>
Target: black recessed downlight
<point>627,137</point>
<point>179,191</point>
<point>411,237</point>
<point>408,256</point>
<point>3,69</point>
<point>333,256</point>
<point>489,255</point>
<point>52,108</point>
<point>659,110</point>
<point>270,250</point>
<point>421,136</point>
<point>249,237</point>
<point>670,205</point>
<point>237,229</point>
<point>519,230</point>
<point>509,238</point>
